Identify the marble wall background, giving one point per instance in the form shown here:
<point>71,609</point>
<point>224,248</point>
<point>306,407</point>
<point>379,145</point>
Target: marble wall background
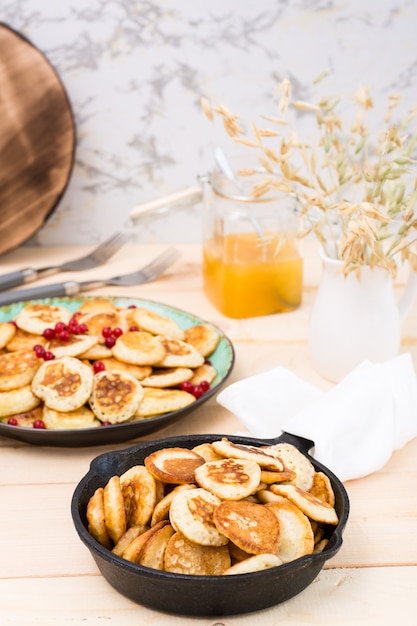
<point>134,71</point>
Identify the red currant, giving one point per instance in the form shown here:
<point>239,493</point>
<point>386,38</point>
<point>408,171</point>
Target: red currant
<point>187,386</point>
<point>98,366</point>
<point>39,350</point>
<point>106,423</point>
<point>12,421</point>
<point>48,333</point>
<point>132,306</point>
<point>106,332</point>
<point>60,326</point>
<point>116,332</point>
<point>197,391</point>
<point>205,386</point>
<point>63,336</point>
<point>38,424</point>
<point>134,329</point>
<point>207,362</point>
<point>110,341</point>
<point>48,355</point>
<point>82,329</point>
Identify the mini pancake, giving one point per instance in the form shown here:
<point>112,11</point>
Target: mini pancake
<point>156,324</point>
<point>191,514</point>
<point>25,419</point>
<point>252,527</point>
<point>127,538</point>
<point>135,548</point>
<point>295,461</point>
<point>127,314</point>
<point>17,369</point>
<point>204,372</point>
<point>256,563</point>
<point>161,401</point>
<point>296,537</point>
<point>207,451</point>
<point>63,384</point>
<point>7,332</point>
<point>251,453</point>
<point>139,490</point>
<point>63,420</point>
<point>75,346</point>
<point>161,510</point>
<point>137,371</point>
<point>322,488</point>
<point>320,545</point>
<point>167,377</point>
<point>114,509</point>
<point>138,348</point>
<point>115,396</point>
<point>173,465</point>
<point>178,353</point>
<point>183,556</point>
<point>268,477</point>
<point>95,518</point>
<point>97,352</point>
<point>203,337</point>
<point>35,318</point>
<point>18,401</point>
<point>24,341</point>
<point>153,552</point>
<point>96,322</point>
<point>96,305</point>
<point>229,479</point>
<point>312,507</point>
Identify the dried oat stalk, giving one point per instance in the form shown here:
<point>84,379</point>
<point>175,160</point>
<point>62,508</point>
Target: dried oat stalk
<point>356,189</point>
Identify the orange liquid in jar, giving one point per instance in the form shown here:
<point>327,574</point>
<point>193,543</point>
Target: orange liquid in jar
<point>245,276</point>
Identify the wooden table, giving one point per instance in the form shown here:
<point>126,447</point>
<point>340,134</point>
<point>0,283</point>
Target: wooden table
<point>47,576</point>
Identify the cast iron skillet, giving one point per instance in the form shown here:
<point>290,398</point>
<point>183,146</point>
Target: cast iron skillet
<point>201,595</point>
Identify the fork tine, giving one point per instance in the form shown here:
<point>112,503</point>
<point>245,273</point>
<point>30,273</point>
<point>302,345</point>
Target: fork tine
<point>109,247</point>
<point>99,255</point>
<point>150,271</point>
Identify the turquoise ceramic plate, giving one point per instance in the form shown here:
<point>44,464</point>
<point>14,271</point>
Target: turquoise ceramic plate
<point>222,359</point>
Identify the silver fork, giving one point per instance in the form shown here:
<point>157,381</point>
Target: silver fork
<point>96,257</point>
<point>71,288</point>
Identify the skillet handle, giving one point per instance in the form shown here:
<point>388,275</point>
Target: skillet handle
<point>304,445</point>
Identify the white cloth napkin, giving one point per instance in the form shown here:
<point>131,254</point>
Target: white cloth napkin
<point>355,426</point>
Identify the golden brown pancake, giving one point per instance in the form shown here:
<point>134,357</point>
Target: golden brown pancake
<point>229,479</point>
<point>138,348</point>
<point>63,384</point>
<point>35,318</point>
<point>115,396</point>
<point>17,369</point>
<point>252,527</point>
<point>183,556</point>
<point>203,337</point>
<point>173,465</point>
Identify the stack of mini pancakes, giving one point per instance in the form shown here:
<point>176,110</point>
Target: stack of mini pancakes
<point>87,381</point>
<point>220,508</point>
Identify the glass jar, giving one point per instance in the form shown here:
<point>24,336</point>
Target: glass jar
<point>252,264</point>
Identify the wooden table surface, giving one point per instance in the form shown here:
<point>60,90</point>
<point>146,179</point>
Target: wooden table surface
<point>47,576</point>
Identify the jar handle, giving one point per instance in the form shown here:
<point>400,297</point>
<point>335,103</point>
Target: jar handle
<point>163,204</point>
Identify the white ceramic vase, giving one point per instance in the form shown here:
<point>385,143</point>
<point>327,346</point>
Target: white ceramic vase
<point>356,319</point>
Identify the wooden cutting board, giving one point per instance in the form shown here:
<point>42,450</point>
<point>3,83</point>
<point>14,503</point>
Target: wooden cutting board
<point>37,139</point>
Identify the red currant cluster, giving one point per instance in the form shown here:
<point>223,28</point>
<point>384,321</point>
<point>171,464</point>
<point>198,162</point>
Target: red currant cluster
<point>62,331</point>
<point>196,390</point>
<point>110,335</point>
